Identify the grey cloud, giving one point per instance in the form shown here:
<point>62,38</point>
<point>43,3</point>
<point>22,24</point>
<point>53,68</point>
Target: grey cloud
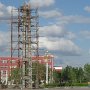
<point>72,61</point>
<point>52,31</point>
<point>50,14</point>
<point>5,11</point>
<point>4,43</point>
<point>63,19</point>
<point>87,8</point>
<point>55,31</point>
<point>73,19</point>
<point>41,3</point>
<point>61,45</point>
<point>70,35</point>
<point>85,34</point>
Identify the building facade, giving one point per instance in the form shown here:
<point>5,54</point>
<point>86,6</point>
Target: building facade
<point>7,63</point>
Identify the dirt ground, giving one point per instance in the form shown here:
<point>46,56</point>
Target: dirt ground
<point>66,88</point>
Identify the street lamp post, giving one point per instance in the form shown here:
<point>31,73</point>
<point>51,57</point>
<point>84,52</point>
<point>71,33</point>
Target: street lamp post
<point>46,60</point>
<point>47,73</point>
<point>51,68</point>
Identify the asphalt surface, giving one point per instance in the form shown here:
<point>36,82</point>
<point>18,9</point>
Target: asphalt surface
<point>66,88</point>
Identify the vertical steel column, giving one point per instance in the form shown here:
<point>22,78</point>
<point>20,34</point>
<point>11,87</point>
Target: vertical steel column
<point>37,46</point>
<point>29,46</point>
<point>11,42</point>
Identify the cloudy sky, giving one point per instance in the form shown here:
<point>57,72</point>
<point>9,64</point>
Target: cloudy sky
<point>64,29</point>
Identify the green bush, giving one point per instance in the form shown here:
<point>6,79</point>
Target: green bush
<point>65,84</point>
<point>80,84</point>
<point>52,85</point>
<point>76,84</point>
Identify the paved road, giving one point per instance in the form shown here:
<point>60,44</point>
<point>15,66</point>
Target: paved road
<point>75,88</point>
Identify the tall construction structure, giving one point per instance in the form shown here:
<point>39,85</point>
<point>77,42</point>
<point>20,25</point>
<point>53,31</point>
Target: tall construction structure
<point>24,41</point>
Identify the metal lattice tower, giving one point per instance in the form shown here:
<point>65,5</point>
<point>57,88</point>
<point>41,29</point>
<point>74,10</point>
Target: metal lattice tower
<point>24,41</point>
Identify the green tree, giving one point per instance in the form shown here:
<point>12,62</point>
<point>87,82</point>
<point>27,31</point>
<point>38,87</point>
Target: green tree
<point>57,76</point>
<point>80,74</point>
<point>38,72</point>
<point>68,75</point>
<point>87,72</point>
<point>15,75</point>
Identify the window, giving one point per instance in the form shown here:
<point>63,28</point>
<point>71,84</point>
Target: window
<point>4,61</point>
<point>3,66</point>
<point>3,72</point>
<point>12,61</point>
<point>13,66</point>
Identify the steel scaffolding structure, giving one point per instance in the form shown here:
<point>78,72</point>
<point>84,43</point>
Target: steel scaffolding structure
<point>24,41</point>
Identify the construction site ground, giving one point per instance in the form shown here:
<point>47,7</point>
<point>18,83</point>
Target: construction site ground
<point>58,88</point>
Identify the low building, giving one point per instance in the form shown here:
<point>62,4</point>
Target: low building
<point>58,68</point>
<point>6,63</point>
<point>5,67</point>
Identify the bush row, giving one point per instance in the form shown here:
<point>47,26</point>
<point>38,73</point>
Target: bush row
<point>65,84</point>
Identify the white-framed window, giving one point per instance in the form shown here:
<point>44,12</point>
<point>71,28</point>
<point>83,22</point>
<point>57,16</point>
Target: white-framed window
<point>13,61</point>
<point>3,72</point>
<point>3,66</point>
<point>4,61</point>
<point>13,67</point>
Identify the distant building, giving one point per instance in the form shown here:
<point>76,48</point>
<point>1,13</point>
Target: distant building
<point>5,67</point>
<point>6,63</point>
<point>58,68</point>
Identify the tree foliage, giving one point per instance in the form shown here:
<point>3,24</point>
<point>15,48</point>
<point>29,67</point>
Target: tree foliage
<point>69,75</point>
<point>74,75</point>
<point>87,72</point>
<point>15,75</point>
<point>38,71</point>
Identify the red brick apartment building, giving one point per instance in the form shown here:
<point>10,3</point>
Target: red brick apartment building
<point>6,63</point>
<point>5,67</point>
